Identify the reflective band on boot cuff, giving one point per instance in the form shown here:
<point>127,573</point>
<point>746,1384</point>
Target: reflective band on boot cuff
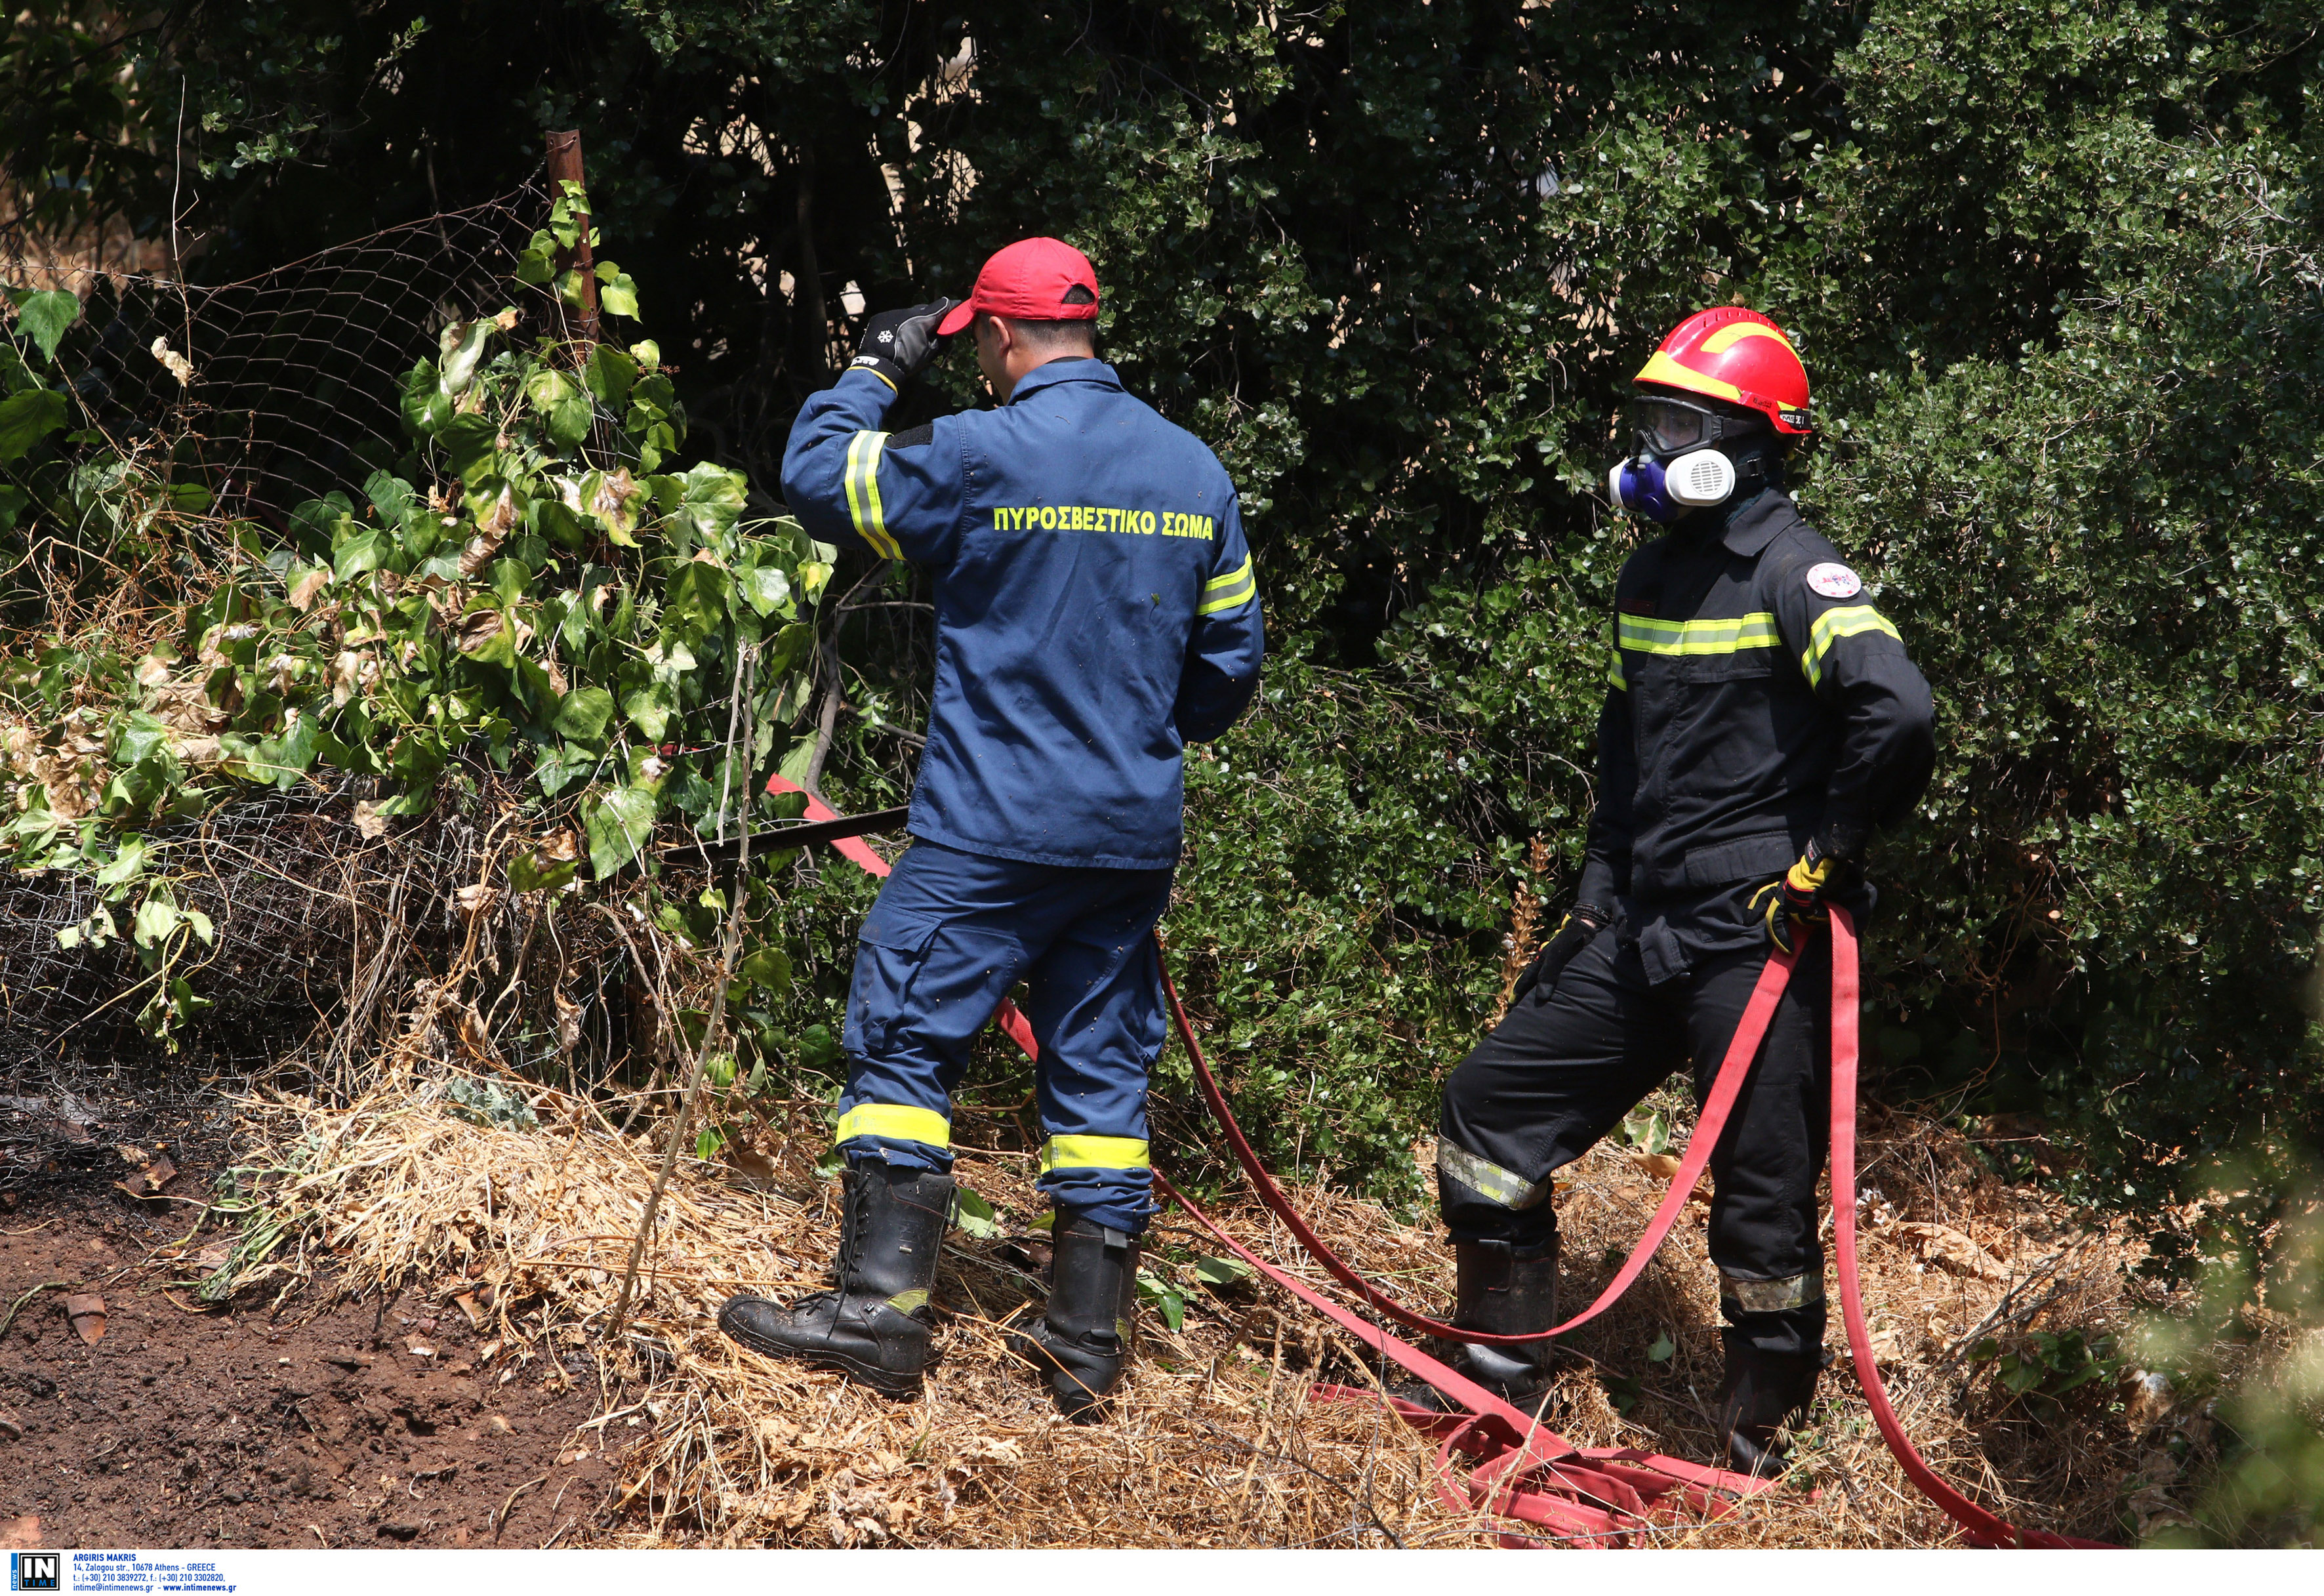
<point>1771,1297</point>
<point>1487,1179</point>
<point>896,1121</point>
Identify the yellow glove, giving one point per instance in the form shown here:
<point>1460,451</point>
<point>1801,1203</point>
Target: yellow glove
<point>1797,900</point>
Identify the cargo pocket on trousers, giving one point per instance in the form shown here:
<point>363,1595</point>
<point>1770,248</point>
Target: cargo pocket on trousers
<point>889,954</point>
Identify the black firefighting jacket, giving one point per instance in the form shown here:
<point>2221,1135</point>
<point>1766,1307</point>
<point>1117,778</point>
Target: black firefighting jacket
<point>1756,699</point>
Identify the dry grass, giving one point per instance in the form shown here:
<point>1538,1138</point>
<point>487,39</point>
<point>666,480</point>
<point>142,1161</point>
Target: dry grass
<point>1218,1441</point>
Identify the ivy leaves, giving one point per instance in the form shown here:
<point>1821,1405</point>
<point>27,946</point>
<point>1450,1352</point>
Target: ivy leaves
<point>46,316</point>
<point>563,404</point>
<point>617,292</point>
<point>462,346</point>
<point>637,589</point>
<point>524,584</point>
<point>25,419</point>
<point>31,412</point>
<point>618,823</point>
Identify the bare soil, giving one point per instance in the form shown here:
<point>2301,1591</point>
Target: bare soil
<point>480,1397</point>
<point>369,1422</point>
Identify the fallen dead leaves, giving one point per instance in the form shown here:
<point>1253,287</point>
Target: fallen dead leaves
<point>148,1180</point>
<point>476,1316</point>
<point>1217,1443</point>
<point>1942,1247</point>
<point>175,364</point>
<point>1665,1168</point>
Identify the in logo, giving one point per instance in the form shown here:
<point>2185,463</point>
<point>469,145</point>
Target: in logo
<point>36,1571</point>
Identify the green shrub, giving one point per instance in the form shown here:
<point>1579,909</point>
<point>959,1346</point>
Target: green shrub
<point>2053,271</point>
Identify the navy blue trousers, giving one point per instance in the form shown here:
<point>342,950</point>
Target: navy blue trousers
<point>951,935</point>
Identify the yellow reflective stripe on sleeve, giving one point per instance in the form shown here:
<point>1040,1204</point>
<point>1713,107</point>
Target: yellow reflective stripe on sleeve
<point>1830,627</point>
<point>895,1122</point>
<point>1728,636</point>
<point>1227,592</point>
<point>1094,1152</point>
<point>862,479</point>
<point>1232,578</point>
<point>1614,677</point>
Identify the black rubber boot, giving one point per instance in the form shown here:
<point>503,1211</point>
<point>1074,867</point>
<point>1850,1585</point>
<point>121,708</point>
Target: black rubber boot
<point>1501,1290</point>
<point>1504,1290</point>
<point>874,1329</point>
<point>1760,1394</point>
<point>1083,1340</point>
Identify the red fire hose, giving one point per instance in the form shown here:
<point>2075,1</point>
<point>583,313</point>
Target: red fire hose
<point>1494,1418</point>
<point>1519,1469</point>
<point>1724,1089</point>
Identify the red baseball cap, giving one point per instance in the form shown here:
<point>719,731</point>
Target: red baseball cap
<point>1028,280</point>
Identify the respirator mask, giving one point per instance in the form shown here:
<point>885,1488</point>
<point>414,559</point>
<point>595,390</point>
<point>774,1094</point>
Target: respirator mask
<point>1678,465</point>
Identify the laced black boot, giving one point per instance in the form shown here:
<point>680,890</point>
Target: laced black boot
<point>1083,1340</point>
<point>874,1328</point>
<point>1758,1396</point>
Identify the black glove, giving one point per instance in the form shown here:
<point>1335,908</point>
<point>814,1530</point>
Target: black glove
<point>1582,922</point>
<point>1796,902</point>
<point>899,345</point>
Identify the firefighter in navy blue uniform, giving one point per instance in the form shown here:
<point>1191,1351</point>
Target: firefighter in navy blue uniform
<point>1096,611</point>
<point>1761,721</point>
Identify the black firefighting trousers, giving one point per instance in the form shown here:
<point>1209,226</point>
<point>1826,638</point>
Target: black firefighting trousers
<point>1569,1061</point>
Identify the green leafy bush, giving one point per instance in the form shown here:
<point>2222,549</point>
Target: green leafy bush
<point>2054,270</point>
<point>529,589</point>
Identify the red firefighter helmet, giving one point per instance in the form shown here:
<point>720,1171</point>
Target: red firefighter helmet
<point>1739,355</point>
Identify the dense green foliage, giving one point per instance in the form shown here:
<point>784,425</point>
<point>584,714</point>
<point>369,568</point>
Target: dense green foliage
<point>2055,272</point>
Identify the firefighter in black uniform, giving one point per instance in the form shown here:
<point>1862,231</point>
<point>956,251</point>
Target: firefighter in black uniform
<point>1761,721</point>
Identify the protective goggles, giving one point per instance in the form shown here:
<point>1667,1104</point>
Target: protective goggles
<point>1666,427</point>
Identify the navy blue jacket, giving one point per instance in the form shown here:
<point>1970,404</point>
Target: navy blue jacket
<point>1095,606</point>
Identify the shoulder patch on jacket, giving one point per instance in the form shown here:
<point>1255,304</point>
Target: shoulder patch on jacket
<point>917,436</point>
<point>1831,580</point>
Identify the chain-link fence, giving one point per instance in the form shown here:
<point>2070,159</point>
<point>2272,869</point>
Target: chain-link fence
<point>272,391</point>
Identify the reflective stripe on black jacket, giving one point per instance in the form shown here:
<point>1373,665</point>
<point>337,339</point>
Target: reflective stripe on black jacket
<point>1756,699</point>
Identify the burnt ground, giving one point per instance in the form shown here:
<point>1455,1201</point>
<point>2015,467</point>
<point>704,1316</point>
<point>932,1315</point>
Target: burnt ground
<point>316,1423</point>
